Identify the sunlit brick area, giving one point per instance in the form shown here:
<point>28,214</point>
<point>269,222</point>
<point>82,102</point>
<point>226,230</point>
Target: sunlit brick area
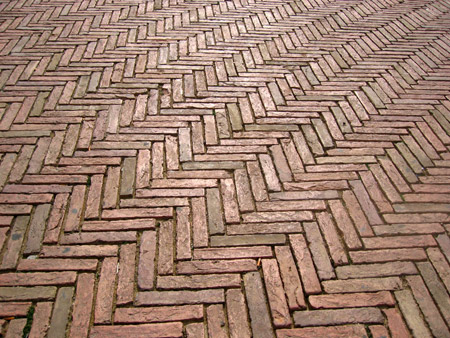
<point>232,168</point>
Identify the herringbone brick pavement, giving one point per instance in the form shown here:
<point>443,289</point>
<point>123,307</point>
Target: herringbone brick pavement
<point>237,168</point>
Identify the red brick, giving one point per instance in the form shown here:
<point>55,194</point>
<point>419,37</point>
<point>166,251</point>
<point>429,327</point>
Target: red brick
<point>163,330</point>
<point>199,281</point>
<point>206,296</point>
<point>275,293</point>
<point>338,317</point>
<point>382,298</point>
<point>146,265</point>
<point>15,328</point>
<point>233,252</point>
<point>386,255</point>
<point>82,306</point>
<point>399,242</point>
<point>94,197</point>
<point>104,300</point>
<point>362,285</point>
<point>41,320</point>
<point>79,251</point>
<point>57,264</point>
<point>259,315</point>
<point>336,248</point>
<point>37,278</point>
<point>125,284</point>
<point>376,270</point>
<point>237,314</point>
<point>216,321</point>
<point>305,264</point>
<point>427,306</point>
<point>412,314</point>
<point>158,314</point>
<point>137,213</point>
<point>356,331</point>
<point>14,309</point>
<point>379,331</point>
<point>165,258</point>
<point>216,266</point>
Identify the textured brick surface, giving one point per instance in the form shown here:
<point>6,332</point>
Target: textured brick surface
<point>239,168</point>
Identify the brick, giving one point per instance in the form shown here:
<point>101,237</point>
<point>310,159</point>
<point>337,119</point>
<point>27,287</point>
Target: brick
<point>125,283</point>
<point>213,205</point>
<point>159,330</point>
<point>396,324</point>
<point>13,248</point>
<point>216,266</point>
<point>275,293</point>
<point>104,300</point>
<point>382,298</point>
<point>146,265</point>
<point>336,248</point>
<point>305,264</point>
<point>61,309</point>
<point>229,201</point>
<point>318,251</point>
<point>15,328</point>
<point>37,228</point>
<point>94,197</point>
<point>436,288</point>
<point>376,270</point>
<point>57,264</point>
<point>427,306</point>
<point>399,241</point>
<point>79,251</point>
<point>158,314</point>
<point>233,252</point>
<point>216,321</point>
<point>356,330</point>
<point>41,319</point>
<point>195,330</point>
<point>111,187</point>
<point>259,314</point>
<point>243,240</point>
<point>237,314</point>
<point>56,217</point>
<point>199,222</point>
<point>198,281</point>
<point>83,302</point>
<point>206,296</point>
<point>15,309</point>
<point>385,255</point>
<point>378,331</point>
<point>183,230</point>
<point>27,293</point>
<point>165,260</point>
<point>264,228</point>
<point>337,317</point>
<point>411,313</point>
<point>137,213</point>
<point>362,285</point>
<point>131,224</point>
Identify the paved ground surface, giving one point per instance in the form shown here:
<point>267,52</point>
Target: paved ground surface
<point>225,168</point>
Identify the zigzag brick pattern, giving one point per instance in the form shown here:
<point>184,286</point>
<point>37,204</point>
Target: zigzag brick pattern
<point>237,168</point>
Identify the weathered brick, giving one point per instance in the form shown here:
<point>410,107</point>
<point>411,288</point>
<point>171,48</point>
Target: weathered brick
<point>158,314</point>
<point>206,296</point>
<point>338,317</point>
<point>151,330</point>
<point>60,316</point>
<point>355,330</point>
<point>237,314</point>
<point>82,306</point>
<point>259,314</point>
<point>104,300</point>
<point>275,293</point>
